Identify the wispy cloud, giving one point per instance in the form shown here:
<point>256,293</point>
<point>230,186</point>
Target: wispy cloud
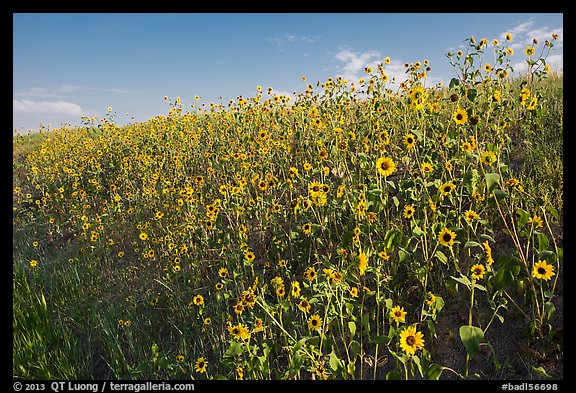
<point>287,39</point>
<point>46,107</point>
<point>62,91</point>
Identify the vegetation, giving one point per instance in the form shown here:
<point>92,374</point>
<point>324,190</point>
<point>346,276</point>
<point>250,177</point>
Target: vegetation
<point>370,231</point>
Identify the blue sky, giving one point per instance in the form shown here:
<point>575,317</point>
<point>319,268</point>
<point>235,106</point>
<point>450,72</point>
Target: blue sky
<point>69,65</point>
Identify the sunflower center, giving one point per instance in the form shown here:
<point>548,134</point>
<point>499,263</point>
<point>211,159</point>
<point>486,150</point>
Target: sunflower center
<point>447,237</point>
<point>541,270</point>
<point>411,340</point>
<point>459,116</point>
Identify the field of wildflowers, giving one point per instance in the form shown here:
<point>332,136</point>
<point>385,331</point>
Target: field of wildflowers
<point>370,231</point>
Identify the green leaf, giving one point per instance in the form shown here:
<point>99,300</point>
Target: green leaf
<point>434,372</point>
<point>352,328</point>
<point>393,376</point>
<point>471,94</point>
<point>471,337</point>
<point>335,363</point>
<point>355,348</point>
<point>383,340</point>
<point>235,348</point>
<point>492,180</point>
<point>552,211</point>
<point>550,309</point>
<point>441,256</point>
<point>543,242</point>
<point>524,217</point>
<point>470,244</point>
<point>453,82</point>
<point>463,280</point>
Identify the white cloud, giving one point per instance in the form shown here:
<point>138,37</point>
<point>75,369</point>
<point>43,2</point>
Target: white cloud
<point>52,107</point>
<point>62,91</point>
<point>291,38</point>
<point>354,63</point>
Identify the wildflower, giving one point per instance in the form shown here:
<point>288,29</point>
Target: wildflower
<point>315,322</point>
<point>460,116</point>
<point>33,263</point>
<point>529,51</point>
<point>477,271</point>
<point>488,158</point>
<point>223,272</point>
<point>430,299</point>
<point>542,270</point>
<point>447,188</point>
<point>304,306</point>
<point>295,289</point>
<point>239,332</point>
<point>409,211</point>
<point>307,228</point>
<point>200,365</point>
<point>411,340</point>
<point>180,358</point>
<point>446,237</point>
<point>363,263</point>
<point>354,292</point>
<point>385,166</point>
<point>471,215</point>
<point>537,221</point>
<point>310,273</point>
<point>198,300</point>
<point>398,314</point>
<point>409,141</point>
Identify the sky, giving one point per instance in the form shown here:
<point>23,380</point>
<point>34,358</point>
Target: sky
<point>69,65</point>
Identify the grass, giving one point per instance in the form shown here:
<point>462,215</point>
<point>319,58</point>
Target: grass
<point>355,232</point>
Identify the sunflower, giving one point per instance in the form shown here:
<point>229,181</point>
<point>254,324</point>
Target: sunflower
<point>427,167</point>
<point>385,166</point>
<point>219,286</point>
<point>542,270</point>
<point>200,365</point>
<point>411,340</point>
<point>315,322</point>
<point>198,300</point>
<point>488,158</point>
<point>249,255</point>
<point>430,299</point>
<point>179,358</point>
<point>223,272</point>
<point>447,188</point>
<point>304,306</point>
<point>409,211</point>
<point>239,332</point>
<point>295,289</point>
<point>310,273</point>
<point>529,51</point>
<point>307,228</point>
<point>398,314</point>
<point>362,263</point>
<point>460,116</point>
<point>409,141</point>
<point>446,237</point>
<point>477,271</point>
<point>471,215</point>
